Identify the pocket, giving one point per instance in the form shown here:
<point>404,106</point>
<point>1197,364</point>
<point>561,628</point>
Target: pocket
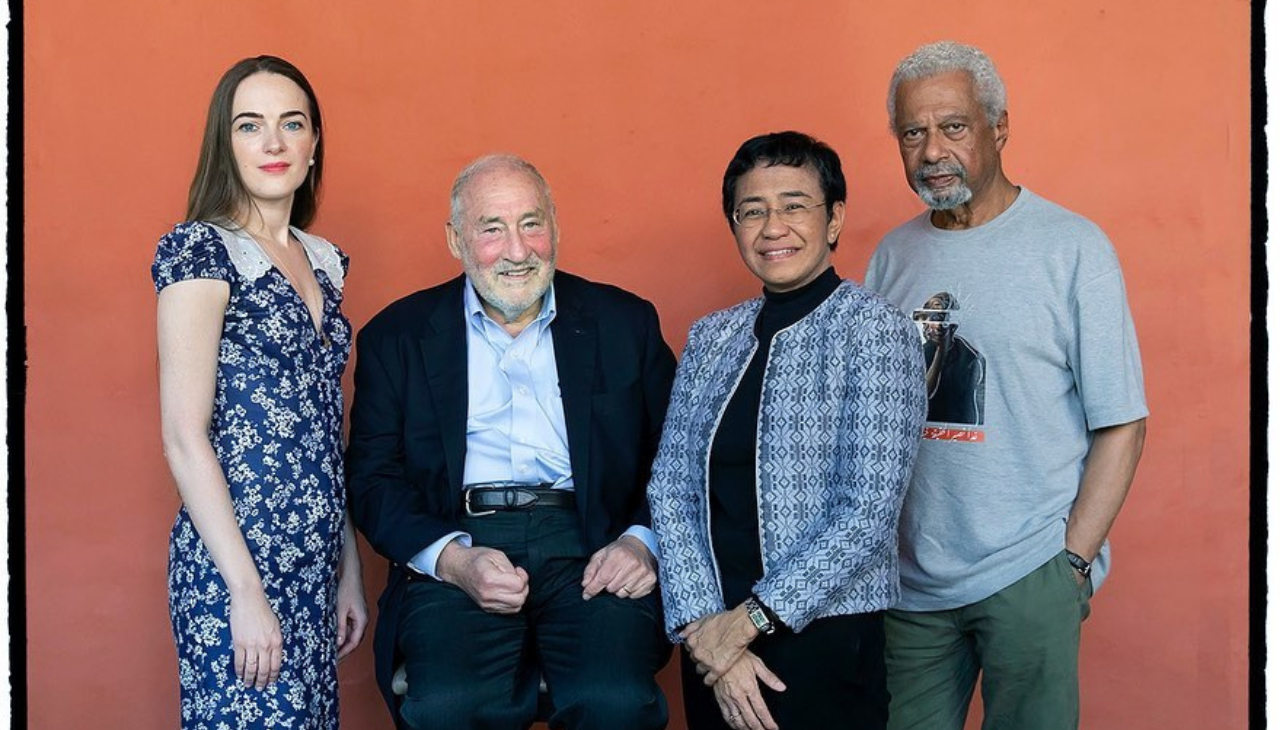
<point>1086,593</point>
<point>1082,591</point>
<point>1068,572</point>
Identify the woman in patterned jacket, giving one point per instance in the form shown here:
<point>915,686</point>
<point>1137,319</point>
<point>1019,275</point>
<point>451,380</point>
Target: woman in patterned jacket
<point>264,578</point>
<point>784,459</point>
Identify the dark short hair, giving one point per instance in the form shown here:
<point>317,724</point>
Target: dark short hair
<point>794,149</point>
<point>217,192</point>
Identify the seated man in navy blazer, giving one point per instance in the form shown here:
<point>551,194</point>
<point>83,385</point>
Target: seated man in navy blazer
<point>501,438</point>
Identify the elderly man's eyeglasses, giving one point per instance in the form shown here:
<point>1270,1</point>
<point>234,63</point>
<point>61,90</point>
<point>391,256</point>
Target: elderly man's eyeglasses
<point>754,216</point>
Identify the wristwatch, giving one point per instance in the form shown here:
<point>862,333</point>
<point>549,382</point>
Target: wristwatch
<point>759,618</point>
<point>1082,566</point>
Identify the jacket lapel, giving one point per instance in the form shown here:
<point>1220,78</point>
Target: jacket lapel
<point>444,354</point>
<point>574,336</point>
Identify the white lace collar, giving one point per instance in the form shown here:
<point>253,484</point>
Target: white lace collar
<point>252,263</point>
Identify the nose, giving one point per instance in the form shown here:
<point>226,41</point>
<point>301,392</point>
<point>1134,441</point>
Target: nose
<point>516,249</point>
<point>774,226</point>
<point>934,148</point>
<point>273,141</point>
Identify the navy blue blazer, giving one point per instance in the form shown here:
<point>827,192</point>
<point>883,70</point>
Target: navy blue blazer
<point>407,446</point>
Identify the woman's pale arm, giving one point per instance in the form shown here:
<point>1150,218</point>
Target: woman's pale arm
<point>353,611</point>
<point>190,319</point>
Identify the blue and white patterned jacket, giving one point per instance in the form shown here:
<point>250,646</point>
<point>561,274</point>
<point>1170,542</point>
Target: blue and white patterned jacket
<point>840,418</point>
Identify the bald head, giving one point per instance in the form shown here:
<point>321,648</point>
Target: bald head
<point>494,163</point>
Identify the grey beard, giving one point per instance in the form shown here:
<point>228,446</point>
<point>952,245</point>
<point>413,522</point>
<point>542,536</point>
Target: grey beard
<point>511,309</point>
<point>953,197</point>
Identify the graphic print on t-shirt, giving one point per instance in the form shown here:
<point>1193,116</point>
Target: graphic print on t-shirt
<point>955,372</point>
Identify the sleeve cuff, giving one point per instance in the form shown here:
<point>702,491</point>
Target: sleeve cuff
<point>646,536</point>
<point>425,561</point>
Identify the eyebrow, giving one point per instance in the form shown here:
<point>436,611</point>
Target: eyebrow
<point>535,213</point>
<point>258,115</point>
<point>962,116</point>
<point>783,194</point>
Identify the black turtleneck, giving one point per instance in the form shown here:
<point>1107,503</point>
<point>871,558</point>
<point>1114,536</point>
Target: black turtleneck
<point>735,523</point>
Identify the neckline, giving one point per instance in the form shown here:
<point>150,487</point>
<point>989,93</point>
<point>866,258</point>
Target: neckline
<point>828,280</point>
<point>317,323</point>
<point>781,310</point>
<point>1024,195</point>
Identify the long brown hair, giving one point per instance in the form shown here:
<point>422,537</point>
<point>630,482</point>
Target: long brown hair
<point>217,192</point>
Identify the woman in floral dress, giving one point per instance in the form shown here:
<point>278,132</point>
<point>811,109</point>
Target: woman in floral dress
<point>265,590</point>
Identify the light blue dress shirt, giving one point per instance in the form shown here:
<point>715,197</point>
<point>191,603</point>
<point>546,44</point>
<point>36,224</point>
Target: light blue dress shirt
<point>515,418</point>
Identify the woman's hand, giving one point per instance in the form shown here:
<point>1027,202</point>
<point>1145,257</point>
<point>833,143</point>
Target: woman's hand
<point>255,634</point>
<point>738,694</point>
<point>353,612</point>
<point>715,642</point>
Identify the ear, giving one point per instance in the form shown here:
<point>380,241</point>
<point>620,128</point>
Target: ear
<point>1002,130</point>
<point>315,145</point>
<point>454,240</point>
<point>836,224</point>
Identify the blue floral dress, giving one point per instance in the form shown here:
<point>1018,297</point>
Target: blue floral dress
<point>277,432</point>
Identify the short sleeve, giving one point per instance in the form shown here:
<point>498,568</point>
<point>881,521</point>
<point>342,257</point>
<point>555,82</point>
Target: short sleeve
<point>190,251</point>
<point>1107,366</point>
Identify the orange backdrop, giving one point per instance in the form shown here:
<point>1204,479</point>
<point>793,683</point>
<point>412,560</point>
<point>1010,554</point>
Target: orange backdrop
<point>1130,114</point>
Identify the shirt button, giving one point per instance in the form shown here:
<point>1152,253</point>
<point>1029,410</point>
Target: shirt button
<point>524,469</point>
<point>523,390</point>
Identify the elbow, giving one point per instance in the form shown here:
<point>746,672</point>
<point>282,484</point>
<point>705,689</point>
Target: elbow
<point>181,445</point>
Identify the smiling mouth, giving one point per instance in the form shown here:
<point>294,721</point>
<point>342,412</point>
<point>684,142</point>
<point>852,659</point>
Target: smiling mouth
<point>781,253</point>
<point>275,167</point>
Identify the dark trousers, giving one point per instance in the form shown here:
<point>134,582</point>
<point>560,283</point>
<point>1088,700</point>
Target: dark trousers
<point>834,671</point>
<point>467,668</point>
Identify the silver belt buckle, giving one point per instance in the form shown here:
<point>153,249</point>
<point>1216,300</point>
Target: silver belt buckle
<point>466,501</point>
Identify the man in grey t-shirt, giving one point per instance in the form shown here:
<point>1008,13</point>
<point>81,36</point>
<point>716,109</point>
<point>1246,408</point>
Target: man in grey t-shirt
<point>1036,415</point>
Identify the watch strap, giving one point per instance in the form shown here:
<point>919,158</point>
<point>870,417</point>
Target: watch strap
<point>1082,566</point>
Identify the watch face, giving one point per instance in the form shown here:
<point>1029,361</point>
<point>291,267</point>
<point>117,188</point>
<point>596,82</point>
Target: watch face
<point>756,613</point>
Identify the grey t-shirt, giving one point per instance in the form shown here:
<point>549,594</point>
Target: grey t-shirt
<point>1029,345</point>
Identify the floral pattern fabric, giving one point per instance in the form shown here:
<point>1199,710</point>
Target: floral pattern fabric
<point>276,429</point>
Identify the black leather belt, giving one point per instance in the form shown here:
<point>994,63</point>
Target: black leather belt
<point>484,500</point>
